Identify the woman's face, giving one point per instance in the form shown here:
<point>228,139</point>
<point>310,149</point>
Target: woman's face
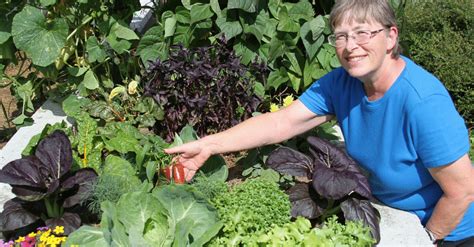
<point>363,61</point>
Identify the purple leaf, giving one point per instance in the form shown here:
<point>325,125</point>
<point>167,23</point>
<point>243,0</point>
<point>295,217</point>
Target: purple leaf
<point>333,184</point>
<point>14,216</point>
<point>55,153</point>
<point>70,221</point>
<point>338,167</point>
<point>83,180</point>
<point>303,203</point>
<point>362,210</point>
<point>288,161</point>
<point>23,172</point>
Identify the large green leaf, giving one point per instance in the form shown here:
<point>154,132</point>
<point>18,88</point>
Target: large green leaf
<point>170,26</point>
<point>184,206</point>
<point>311,35</point>
<point>41,39</point>
<point>245,5</point>
<point>95,50</point>
<point>230,28</point>
<point>87,236</point>
<point>215,168</point>
<point>152,45</point>
<point>287,24</point>
<point>200,12</point>
<point>90,80</point>
<point>142,213</point>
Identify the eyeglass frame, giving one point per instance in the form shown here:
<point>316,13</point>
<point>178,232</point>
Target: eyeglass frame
<point>372,34</point>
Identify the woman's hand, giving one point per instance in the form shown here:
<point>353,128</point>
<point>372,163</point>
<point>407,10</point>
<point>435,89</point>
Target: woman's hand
<point>192,156</point>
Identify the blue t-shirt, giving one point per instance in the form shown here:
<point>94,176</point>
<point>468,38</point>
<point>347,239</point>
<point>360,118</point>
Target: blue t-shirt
<point>414,126</point>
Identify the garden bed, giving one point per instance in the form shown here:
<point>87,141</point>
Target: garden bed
<point>397,228</point>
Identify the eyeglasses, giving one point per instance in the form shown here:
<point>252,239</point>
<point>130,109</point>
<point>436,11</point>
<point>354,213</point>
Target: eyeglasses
<point>360,37</point>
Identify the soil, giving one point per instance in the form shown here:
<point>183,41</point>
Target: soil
<point>8,111</point>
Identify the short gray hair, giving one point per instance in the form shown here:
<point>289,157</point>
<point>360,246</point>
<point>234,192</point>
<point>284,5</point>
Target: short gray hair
<point>363,11</point>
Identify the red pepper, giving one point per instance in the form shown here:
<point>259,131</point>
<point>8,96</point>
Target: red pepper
<point>174,172</point>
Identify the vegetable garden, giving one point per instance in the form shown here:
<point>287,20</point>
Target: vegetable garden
<point>198,68</point>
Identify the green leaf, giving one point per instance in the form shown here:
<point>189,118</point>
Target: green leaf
<point>123,32</point>
<point>216,8</point>
<point>170,26</point>
<point>183,15</point>
<point>246,50</point>
<point>183,205</point>
<point>87,236</point>
<point>46,3</point>
<point>215,168</point>
<point>118,45</point>
<point>245,5</point>
<point>42,40</point>
<point>295,81</point>
<point>152,45</point>
<point>200,12</point>
<point>287,24</point>
<point>90,80</point>
<point>277,78</point>
<point>229,28</point>
<point>77,71</point>
<point>95,51</point>
<point>259,89</point>
<point>136,210</point>
<point>311,36</point>
<point>72,105</point>
<point>4,31</point>
<point>188,134</point>
<point>300,10</point>
<point>295,67</point>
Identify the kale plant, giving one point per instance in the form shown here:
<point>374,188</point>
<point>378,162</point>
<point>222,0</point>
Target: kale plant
<point>206,87</point>
<point>335,184</point>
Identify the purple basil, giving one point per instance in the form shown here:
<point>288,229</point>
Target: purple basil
<point>206,87</point>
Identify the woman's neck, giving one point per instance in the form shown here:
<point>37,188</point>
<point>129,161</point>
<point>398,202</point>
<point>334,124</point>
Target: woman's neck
<point>381,83</point>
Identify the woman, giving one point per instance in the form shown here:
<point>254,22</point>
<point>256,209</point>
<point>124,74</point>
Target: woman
<point>398,122</point>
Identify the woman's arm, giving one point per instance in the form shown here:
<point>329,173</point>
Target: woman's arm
<point>264,129</point>
<point>457,182</point>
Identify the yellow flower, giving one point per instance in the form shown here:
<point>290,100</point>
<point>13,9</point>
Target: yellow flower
<point>274,107</point>
<point>32,235</point>
<point>20,239</point>
<point>288,100</point>
<point>58,230</point>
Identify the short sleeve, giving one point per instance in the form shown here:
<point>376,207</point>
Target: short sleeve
<point>318,97</point>
<point>439,133</point>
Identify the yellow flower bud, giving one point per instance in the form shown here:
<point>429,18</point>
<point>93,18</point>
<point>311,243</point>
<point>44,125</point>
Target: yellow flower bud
<point>288,100</point>
<point>132,87</point>
<point>274,107</point>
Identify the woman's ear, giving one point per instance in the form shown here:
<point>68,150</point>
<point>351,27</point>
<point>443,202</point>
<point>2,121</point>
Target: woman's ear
<point>392,38</point>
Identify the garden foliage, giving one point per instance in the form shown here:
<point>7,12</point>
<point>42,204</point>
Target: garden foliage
<point>439,35</point>
<point>48,192</point>
<point>289,36</point>
<point>172,215</point>
<point>336,184</point>
<point>250,208</point>
<point>206,87</point>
